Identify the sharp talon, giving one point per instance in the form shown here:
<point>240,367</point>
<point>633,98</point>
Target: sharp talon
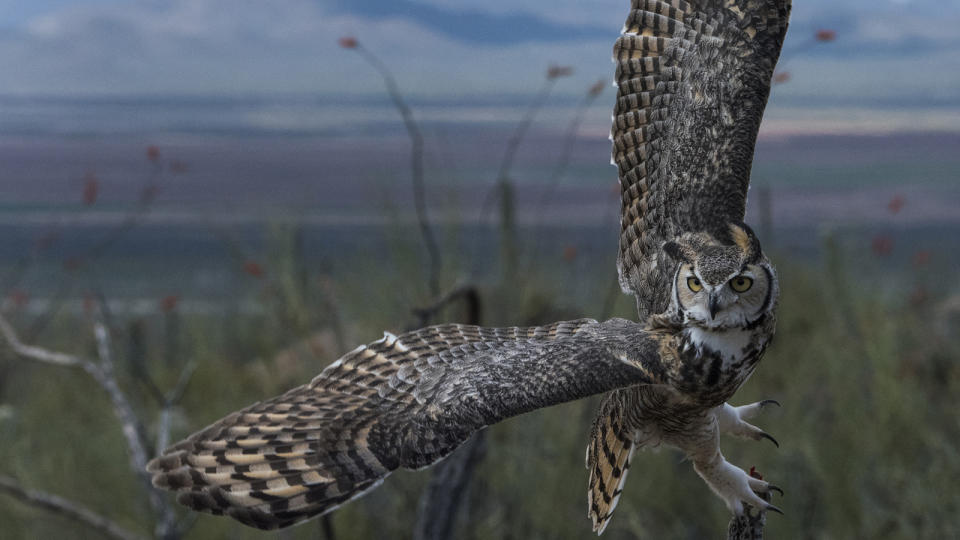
<point>768,436</point>
<point>766,402</point>
<point>772,487</point>
<point>773,508</point>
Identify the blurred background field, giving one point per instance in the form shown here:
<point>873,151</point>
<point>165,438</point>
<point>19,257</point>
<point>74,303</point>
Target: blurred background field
<point>250,214</point>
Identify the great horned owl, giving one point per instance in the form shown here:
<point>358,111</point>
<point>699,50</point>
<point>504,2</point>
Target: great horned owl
<point>693,80</point>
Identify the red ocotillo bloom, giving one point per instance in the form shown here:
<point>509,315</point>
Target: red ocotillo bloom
<point>826,35</point>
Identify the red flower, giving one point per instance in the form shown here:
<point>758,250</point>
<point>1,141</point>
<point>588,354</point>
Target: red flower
<point>253,268</point>
<point>896,204</point>
<point>90,189</point>
<point>153,153</point>
<point>781,77</point>
<point>921,258</point>
<point>169,303</point>
<point>555,72</point>
<point>756,474</point>
<point>349,42</point>
<point>826,35</point>
<point>882,245</point>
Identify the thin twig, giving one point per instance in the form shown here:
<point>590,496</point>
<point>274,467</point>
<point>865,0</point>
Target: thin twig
<point>468,293</point>
<point>332,307</point>
<point>131,221</point>
<point>513,144</point>
<point>569,139</point>
<point>170,400</point>
<point>66,508</point>
<point>36,353</point>
<point>416,165</point>
<point>502,188</point>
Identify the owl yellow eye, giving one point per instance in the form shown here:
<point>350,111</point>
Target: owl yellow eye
<point>741,283</point>
<point>694,284</point>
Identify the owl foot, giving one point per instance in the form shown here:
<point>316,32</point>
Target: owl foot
<point>735,486</point>
<point>732,420</point>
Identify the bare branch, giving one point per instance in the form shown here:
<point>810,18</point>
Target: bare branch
<point>103,374</point>
<point>131,427</point>
<point>37,353</point>
<point>171,399</point>
<point>66,508</point>
<point>468,293</point>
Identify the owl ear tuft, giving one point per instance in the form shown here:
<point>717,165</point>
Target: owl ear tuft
<point>744,237</point>
<point>677,252</point>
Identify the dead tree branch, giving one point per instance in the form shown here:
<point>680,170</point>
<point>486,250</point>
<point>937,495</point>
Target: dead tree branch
<point>438,506</point>
<point>67,508</point>
<point>468,293</point>
<point>440,502</point>
<point>103,373</point>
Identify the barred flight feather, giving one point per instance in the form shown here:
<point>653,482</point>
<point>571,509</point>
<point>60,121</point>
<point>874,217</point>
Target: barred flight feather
<point>402,401</point>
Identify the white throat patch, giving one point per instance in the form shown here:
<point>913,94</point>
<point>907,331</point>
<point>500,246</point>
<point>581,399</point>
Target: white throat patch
<point>728,343</point>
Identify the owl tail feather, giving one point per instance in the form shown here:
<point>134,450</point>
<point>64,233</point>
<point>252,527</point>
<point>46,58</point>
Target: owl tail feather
<point>608,459</point>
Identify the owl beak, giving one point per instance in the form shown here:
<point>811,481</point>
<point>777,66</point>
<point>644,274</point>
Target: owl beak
<point>714,305</point>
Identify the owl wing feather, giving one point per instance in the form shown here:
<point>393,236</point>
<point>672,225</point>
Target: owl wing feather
<point>404,401</point>
<point>693,79</point>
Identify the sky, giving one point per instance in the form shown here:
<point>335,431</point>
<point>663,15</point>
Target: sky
<point>895,64</point>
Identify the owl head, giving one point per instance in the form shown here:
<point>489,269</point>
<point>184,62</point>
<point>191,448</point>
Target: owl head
<point>722,281</point>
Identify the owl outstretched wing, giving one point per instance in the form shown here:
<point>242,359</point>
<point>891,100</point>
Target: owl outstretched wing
<point>403,401</point>
<point>693,79</point>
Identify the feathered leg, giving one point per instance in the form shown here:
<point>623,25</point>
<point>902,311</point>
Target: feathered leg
<point>729,482</point>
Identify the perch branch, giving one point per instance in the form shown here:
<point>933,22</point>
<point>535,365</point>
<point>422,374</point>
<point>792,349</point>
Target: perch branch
<point>749,525</point>
<point>67,508</point>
